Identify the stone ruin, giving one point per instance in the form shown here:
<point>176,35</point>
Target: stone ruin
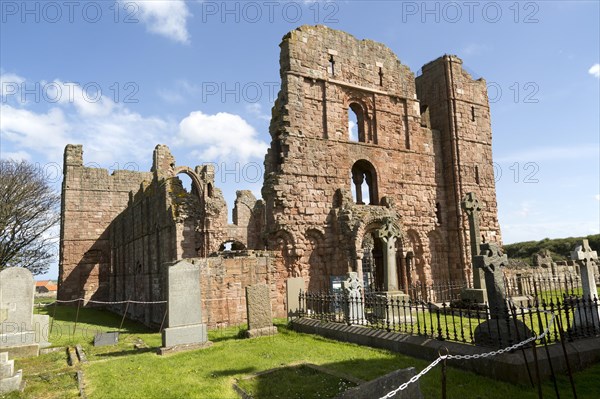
<point>385,204</point>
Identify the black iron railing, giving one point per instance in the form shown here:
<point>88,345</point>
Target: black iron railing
<point>576,317</point>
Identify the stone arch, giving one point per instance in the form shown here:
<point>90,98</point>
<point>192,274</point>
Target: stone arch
<point>362,106</point>
<point>196,181</point>
<point>363,171</point>
<point>285,243</point>
<point>314,258</point>
<point>369,259</point>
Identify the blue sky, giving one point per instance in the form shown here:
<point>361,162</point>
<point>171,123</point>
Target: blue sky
<point>120,77</point>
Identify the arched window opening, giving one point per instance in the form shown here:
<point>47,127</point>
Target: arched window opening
<point>380,76</point>
<point>209,190</point>
<point>472,114</point>
<point>364,183</point>
<point>186,182</point>
<point>438,213</point>
<point>232,245</point>
<point>356,123</point>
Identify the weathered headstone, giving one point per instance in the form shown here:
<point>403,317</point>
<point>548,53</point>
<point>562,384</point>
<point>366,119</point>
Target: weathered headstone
<point>9,380</point>
<point>381,386</point>
<point>500,330</point>
<point>21,332</point>
<point>293,286</point>
<point>184,308</point>
<point>470,204</point>
<point>106,338</point>
<point>587,313</point>
<point>354,310</point>
<point>260,316</point>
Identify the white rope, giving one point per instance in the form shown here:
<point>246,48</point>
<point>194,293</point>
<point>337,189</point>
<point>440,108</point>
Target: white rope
<point>104,302</point>
<point>468,357</point>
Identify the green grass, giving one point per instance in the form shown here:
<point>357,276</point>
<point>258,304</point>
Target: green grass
<point>283,383</point>
<point>125,372</point>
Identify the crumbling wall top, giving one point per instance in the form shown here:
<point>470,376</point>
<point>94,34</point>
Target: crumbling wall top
<point>323,53</point>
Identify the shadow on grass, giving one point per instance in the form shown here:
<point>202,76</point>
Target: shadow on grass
<point>98,317</point>
<point>230,372</point>
<point>128,352</point>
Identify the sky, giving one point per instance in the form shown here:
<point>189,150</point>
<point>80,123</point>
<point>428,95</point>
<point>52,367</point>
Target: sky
<point>122,76</point>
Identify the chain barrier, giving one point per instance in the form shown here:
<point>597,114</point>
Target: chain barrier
<point>468,357</point>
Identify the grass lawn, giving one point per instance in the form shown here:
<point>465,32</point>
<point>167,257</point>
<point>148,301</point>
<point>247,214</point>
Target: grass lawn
<point>125,372</point>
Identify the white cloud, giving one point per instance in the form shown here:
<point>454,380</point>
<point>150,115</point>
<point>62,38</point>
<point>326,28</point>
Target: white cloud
<point>110,132</point>
<point>16,156</point>
<point>165,17</point>
<point>595,70</point>
<point>10,85</point>
<point>352,130</point>
<point>256,110</point>
<point>220,136</point>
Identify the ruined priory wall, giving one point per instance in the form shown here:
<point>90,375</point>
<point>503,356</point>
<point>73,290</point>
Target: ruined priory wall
<point>458,107</point>
<point>91,199</point>
<point>311,155</point>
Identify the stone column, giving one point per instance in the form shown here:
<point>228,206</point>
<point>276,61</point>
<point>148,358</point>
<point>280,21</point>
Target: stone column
<point>358,179</point>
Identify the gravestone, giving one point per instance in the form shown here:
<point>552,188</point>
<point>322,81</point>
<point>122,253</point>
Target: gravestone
<point>293,287</point>
<point>106,338</point>
<point>258,307</point>
<point>353,310</point>
<point>500,330</point>
<point>470,204</point>
<point>21,332</point>
<point>184,308</point>
<point>9,379</point>
<point>586,314</point>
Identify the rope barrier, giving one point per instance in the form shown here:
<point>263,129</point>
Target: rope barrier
<point>106,303</point>
<point>468,357</point>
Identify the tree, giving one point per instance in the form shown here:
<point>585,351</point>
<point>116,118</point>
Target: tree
<point>28,211</point>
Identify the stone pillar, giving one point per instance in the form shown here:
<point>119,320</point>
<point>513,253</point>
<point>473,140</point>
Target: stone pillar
<point>358,179</point>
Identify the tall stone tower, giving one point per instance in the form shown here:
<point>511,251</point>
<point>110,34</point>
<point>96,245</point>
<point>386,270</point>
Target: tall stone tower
<point>333,199</point>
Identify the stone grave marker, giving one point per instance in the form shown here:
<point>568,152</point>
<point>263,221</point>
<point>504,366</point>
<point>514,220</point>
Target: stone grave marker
<point>106,338</point>
<point>353,311</point>
<point>184,314</point>
<point>587,313</point>
<point>293,287</point>
<point>9,379</point>
<point>258,307</point>
<point>496,332</point>
<point>470,204</point>
<point>21,332</point>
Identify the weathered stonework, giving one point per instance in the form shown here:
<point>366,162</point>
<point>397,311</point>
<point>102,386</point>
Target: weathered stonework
<point>423,143</point>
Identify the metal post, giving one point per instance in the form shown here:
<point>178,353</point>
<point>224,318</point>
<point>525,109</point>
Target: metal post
<point>124,314</point>
<point>77,316</point>
<point>444,369</point>
<point>562,342</point>
<point>53,317</point>
<point>537,372</point>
